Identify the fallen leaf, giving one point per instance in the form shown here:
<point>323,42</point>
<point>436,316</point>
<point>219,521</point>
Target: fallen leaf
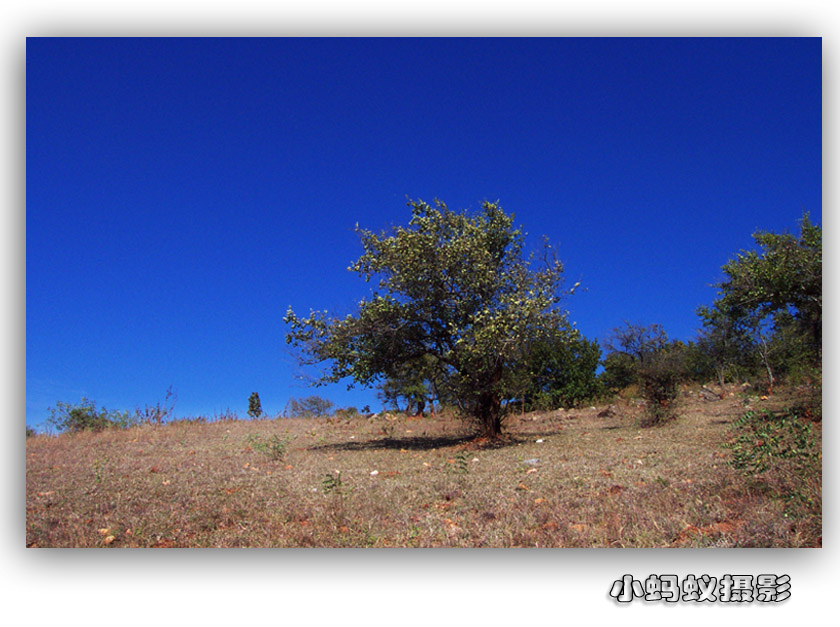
<point>109,539</point>
<point>578,527</point>
<point>105,531</point>
<point>539,500</point>
<point>522,486</point>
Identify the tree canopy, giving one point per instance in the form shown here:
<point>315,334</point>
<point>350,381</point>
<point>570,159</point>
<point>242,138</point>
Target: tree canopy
<point>785,275</point>
<point>769,305</point>
<point>452,289</point>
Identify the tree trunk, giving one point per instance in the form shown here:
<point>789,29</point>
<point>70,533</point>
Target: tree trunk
<point>490,414</point>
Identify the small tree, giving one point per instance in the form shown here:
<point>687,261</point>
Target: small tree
<point>452,287</point>
<point>309,407</point>
<point>630,346</point>
<point>619,372</point>
<point>725,341</point>
<point>415,383</point>
<point>255,409</point>
<point>560,371</point>
<point>637,341</point>
<point>659,379</point>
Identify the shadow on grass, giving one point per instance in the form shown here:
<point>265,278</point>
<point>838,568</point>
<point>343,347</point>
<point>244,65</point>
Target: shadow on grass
<point>422,443</point>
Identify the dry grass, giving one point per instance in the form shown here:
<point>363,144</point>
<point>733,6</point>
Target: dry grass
<point>561,479</point>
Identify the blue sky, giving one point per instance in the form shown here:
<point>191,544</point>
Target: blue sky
<point>182,193</point>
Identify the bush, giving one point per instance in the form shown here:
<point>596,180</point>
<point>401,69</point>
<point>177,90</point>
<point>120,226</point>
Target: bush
<point>781,449</point>
<point>274,447</point>
<point>85,417</point>
<point>346,413</point>
<point>158,413</point>
<point>659,379</point>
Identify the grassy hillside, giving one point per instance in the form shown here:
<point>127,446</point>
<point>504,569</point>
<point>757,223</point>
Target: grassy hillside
<point>577,478</point>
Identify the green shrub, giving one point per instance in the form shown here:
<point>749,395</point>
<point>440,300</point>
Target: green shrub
<point>659,379</point>
<point>781,449</point>
<point>619,372</point>
<point>346,413</point>
<point>274,447</point>
<point>85,417</point>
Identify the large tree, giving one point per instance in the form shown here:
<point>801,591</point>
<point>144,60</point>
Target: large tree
<point>784,275</point>
<point>452,287</point>
<point>771,301</point>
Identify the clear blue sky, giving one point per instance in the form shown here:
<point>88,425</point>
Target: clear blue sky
<point>182,193</point>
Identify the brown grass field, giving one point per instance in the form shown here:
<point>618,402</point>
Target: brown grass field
<point>590,477</point>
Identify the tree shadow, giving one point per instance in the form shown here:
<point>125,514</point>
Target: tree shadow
<point>420,443</point>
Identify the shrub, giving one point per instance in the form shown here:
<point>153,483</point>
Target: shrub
<point>619,372</point>
<point>781,449</point>
<point>274,447</point>
<point>659,379</point>
<point>159,412</point>
<point>346,413</point>
<point>85,417</point>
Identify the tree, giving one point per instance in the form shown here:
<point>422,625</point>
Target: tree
<point>629,346</point>
<point>560,371</point>
<point>786,275</point>
<point>725,341</point>
<point>770,305</point>
<point>414,382</point>
<point>254,406</point>
<point>637,341</point>
<point>619,372</point>
<point>309,407</point>
<point>453,287</point>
